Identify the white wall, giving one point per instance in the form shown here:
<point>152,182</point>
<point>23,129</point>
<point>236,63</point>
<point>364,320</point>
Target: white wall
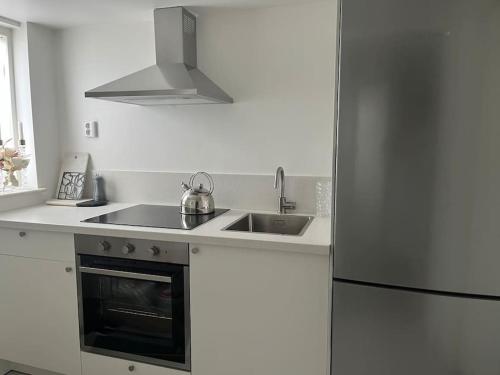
<point>23,94</point>
<point>36,100</point>
<point>277,63</point>
<point>43,75</point>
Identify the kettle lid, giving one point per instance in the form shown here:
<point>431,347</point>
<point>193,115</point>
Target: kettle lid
<point>201,190</point>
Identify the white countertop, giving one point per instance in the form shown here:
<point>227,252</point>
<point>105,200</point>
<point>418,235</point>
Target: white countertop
<point>316,239</point>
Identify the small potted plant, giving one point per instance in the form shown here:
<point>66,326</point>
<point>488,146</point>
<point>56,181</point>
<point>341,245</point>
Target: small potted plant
<point>11,161</point>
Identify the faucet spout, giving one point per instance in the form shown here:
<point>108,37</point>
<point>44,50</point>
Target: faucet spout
<point>283,203</point>
<point>279,179</point>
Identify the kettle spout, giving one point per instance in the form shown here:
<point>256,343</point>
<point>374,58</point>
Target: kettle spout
<point>185,186</point>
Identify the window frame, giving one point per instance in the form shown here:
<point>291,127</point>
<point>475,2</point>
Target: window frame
<point>8,33</point>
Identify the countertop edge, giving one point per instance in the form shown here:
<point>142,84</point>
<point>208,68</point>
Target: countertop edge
<point>311,249</point>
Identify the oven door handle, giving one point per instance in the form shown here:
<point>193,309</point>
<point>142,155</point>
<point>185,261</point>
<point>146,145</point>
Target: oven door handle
<point>127,275</point>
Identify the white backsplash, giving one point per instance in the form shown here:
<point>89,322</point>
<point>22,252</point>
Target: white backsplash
<point>236,191</point>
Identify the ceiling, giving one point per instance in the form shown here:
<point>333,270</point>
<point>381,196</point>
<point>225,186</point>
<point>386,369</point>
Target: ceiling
<point>67,13</point>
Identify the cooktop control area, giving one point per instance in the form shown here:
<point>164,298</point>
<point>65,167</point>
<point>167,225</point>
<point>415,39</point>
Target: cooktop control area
<point>155,217</point>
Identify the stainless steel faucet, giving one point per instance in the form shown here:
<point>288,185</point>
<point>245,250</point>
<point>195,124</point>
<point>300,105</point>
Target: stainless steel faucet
<point>283,204</point>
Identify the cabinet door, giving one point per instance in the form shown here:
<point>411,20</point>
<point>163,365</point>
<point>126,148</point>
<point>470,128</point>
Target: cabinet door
<point>258,312</point>
<point>39,314</point>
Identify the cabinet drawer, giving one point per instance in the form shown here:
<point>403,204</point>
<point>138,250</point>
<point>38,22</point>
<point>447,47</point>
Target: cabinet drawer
<point>93,364</point>
<point>37,244</point>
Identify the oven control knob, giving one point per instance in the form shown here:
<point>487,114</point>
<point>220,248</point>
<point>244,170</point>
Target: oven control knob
<point>154,251</point>
<point>128,248</point>
<point>104,246</point>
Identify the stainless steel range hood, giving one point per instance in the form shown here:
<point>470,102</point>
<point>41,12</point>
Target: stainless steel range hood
<point>175,78</point>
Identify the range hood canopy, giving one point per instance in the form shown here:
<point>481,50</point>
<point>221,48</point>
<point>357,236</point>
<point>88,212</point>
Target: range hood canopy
<point>175,78</point>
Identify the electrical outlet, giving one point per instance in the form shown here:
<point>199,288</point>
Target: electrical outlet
<point>90,128</point>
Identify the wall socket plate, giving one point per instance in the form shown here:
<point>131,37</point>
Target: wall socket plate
<point>90,128</point>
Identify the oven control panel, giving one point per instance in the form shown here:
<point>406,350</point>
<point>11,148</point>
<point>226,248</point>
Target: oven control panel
<point>129,248</point>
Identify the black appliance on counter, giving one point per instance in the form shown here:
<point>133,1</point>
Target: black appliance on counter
<point>155,216</point>
<point>133,298</point>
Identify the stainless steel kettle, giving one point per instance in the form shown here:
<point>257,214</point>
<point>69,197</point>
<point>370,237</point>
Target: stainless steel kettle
<point>197,200</point>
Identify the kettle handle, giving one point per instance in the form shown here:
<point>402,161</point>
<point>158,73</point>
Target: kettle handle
<point>209,178</point>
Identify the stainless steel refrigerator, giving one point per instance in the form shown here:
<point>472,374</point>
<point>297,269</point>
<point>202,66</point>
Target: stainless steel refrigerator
<point>416,286</point>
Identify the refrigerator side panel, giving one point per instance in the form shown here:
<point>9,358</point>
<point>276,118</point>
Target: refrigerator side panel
<point>380,331</point>
<point>418,179</point>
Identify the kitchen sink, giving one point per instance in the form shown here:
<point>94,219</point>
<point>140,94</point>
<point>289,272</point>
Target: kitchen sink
<point>292,225</point>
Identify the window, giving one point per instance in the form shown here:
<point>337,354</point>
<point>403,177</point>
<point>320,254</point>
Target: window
<point>8,131</point>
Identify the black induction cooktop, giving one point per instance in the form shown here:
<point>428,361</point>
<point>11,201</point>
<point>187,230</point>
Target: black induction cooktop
<point>155,217</point>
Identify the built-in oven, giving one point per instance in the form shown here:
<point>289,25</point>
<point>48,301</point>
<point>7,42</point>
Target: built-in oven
<point>133,299</point>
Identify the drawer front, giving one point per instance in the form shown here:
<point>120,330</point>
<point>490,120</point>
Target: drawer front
<point>37,244</point>
<point>93,364</point>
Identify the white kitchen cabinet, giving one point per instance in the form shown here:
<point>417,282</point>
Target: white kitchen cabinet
<point>38,302</point>
<point>258,312</point>
<point>93,364</point>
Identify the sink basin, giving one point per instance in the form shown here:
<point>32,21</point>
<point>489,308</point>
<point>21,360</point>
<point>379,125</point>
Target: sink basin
<point>292,225</point>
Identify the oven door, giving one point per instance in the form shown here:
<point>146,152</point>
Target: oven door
<point>135,310</point>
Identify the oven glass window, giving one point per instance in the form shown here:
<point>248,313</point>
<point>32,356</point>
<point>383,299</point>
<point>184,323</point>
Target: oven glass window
<point>133,307</point>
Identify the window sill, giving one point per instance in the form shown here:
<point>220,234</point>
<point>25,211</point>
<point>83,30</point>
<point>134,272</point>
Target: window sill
<point>20,198</point>
<point>16,192</point>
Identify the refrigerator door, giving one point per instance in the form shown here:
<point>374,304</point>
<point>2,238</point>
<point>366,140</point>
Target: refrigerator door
<point>418,192</point>
<point>380,331</point>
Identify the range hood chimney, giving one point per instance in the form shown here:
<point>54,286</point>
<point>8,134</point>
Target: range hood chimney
<point>175,78</point>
